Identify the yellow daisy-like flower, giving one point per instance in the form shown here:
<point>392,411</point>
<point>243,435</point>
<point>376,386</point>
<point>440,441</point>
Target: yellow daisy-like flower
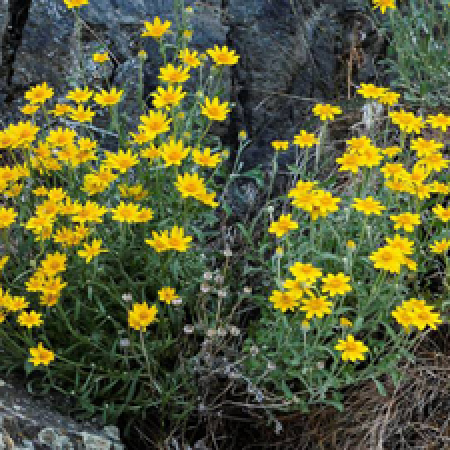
<point>141,316</point>
<point>61,109</point>
<point>401,243</point>
<point>441,246</point>
<point>155,123</point>
<point>440,121</point>
<point>80,95</point>
<point>173,152</point>
<point>284,301</point>
<point>39,94</point>
<point>434,161</point>
<point>177,241</point>
<point>388,258</point>
<point>82,114</point>
<point>125,212</point>
<point>152,152</point>
<point>368,206</point>
<point>75,3</point>
<point>350,161</point>
<point>326,111</point>
<point>305,139</point>
<point>3,261</point>
<point>121,161</point>
<point>383,5</point>
<point>190,185</point>
<point>407,221</point>
<point>407,121</point>
<point>169,97</point>
<point>223,56</point>
<point>7,217</point>
<point>389,98</point>
<point>29,109</point>
<point>54,263</point>
<point>92,250</point>
<point>316,306</point>
<point>205,158</point>
<point>351,349</point>
<point>171,74</point>
<point>108,98</point>
<point>426,317</point>
<point>30,319</point>
<point>371,91</point>
<point>279,146</point>
<point>159,242</point>
<point>390,152</point>
<point>41,355</point>
<point>190,58</point>
<point>336,284</point>
<point>215,110</point>
<point>167,295</point>
<point>404,317</point>
<point>425,147</point>
<point>305,273</point>
<point>62,137</point>
<point>100,58</point>
<point>283,225</point>
<point>90,212</point>
<point>157,29</point>
<point>344,322</point>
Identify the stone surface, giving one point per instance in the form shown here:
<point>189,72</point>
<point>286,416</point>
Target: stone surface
<point>32,423</point>
<point>293,52</point>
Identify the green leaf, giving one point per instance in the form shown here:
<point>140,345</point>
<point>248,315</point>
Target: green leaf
<point>380,387</point>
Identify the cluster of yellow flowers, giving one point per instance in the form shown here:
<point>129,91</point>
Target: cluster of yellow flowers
<point>62,217</point>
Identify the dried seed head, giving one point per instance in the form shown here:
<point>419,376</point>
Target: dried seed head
<point>125,342</point>
<point>188,329</point>
<point>219,279</point>
<point>222,332</point>
<point>177,301</point>
<point>127,297</point>
<point>207,276</point>
<point>254,350</point>
<point>222,293</point>
<point>227,253</point>
<point>205,287</point>
<point>234,330</point>
<point>247,290</point>
<point>271,365</point>
<point>211,332</point>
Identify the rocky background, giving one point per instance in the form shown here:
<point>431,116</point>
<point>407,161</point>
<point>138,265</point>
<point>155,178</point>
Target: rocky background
<point>292,53</point>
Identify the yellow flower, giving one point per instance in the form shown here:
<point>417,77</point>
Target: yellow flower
<point>401,243</point>
<point>407,221</point>
<point>152,152</point>
<point>169,97</point>
<point>283,225</point>
<point>441,246</point>
<point>305,139</point>
<point>424,317</point>
<point>384,4</point>
<point>336,284</point>
<point>280,145</point>
<point>90,251</point>
<point>39,94</point>
<point>171,74</point>
<point>54,263</point>
<point>326,111</point>
<point>439,188</point>
<point>190,58</point>
<point>388,258</point>
<point>80,95</point>
<point>105,98</point>
<point>156,29</point>
<point>440,121</point>
<point>177,241</point>
<point>144,215</point>
<point>141,316</point>
<point>155,123</point>
<point>39,354</point>
<point>215,110</point>
<point>368,206</point>
<point>75,3</point>
<point>351,245</point>
<point>24,133</point>
<point>190,185</point>
<point>82,115</point>
<point>187,34</point>
<point>62,137</point>
<point>349,161</point>
<point>7,217</point>
<point>61,109</point>
<point>407,121</point>
<point>242,135</point>
<point>29,109</point>
<point>208,198</point>
<point>121,161</point>
<point>394,170</point>
<point>160,242</point>
<point>344,322</point>
<point>371,91</point>
<point>389,98</point>
<point>351,350</point>
<point>29,319</point>
<point>316,306</point>
<point>284,301</point>
<point>391,151</point>
<point>425,147</point>
<point>223,56</point>
<point>173,152</point>
<point>167,295</point>
<point>434,161</point>
<point>305,273</point>
<point>205,158</point>
<point>100,57</point>
<point>3,261</point>
<point>404,317</point>
<point>90,212</point>
<point>125,212</point>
